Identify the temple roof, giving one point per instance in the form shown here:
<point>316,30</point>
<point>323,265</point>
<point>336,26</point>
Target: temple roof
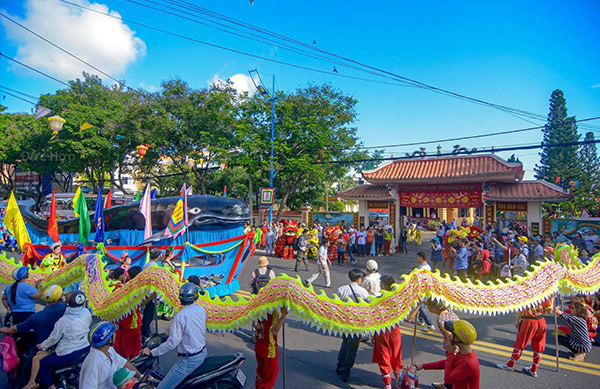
<point>537,190</point>
<point>488,167</point>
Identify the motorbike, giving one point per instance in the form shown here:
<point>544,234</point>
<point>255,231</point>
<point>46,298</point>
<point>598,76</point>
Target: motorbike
<point>216,372</point>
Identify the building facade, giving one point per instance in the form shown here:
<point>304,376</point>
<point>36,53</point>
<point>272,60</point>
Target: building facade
<point>481,188</point>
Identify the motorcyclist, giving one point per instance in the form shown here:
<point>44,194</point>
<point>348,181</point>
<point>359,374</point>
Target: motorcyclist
<point>188,334</point>
<point>103,361</point>
<point>19,297</point>
<point>40,324</point>
<point>70,338</point>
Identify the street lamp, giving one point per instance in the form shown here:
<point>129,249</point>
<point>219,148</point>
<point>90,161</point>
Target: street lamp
<point>258,84</point>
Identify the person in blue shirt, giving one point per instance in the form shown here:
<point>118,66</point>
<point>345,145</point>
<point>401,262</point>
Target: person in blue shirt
<point>40,324</point>
<point>461,260</point>
<point>19,297</point>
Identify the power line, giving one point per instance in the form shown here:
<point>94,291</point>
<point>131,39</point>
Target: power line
<point>17,97</point>
<point>120,82</point>
<point>21,93</point>
<point>163,31</point>
<point>35,70</point>
<point>468,137</point>
<point>474,151</point>
<point>381,72</point>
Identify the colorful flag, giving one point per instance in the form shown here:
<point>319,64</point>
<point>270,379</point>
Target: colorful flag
<point>75,199</point>
<point>178,221</point>
<point>108,201</point>
<point>99,217</point>
<point>41,112</point>
<point>145,210</point>
<point>84,219</point>
<point>52,224</point>
<point>153,193</point>
<point>85,126</point>
<point>137,195</point>
<point>584,213</point>
<point>15,223</point>
<point>225,191</point>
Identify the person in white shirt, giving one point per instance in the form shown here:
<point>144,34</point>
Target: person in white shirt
<point>361,240</point>
<point>423,315</point>
<point>347,355</point>
<point>519,263</point>
<point>372,281</point>
<point>103,361</point>
<point>323,265</point>
<point>188,335</point>
<point>70,338</point>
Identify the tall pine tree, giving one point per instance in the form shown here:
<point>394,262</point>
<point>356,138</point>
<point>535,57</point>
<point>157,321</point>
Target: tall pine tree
<point>590,168</point>
<point>562,161</point>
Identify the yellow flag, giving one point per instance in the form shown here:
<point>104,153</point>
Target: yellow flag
<point>15,223</point>
<point>75,198</point>
<point>85,126</point>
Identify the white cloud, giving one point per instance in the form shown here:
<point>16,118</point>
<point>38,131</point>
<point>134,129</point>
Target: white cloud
<point>596,85</point>
<point>107,43</point>
<point>240,82</point>
<point>149,88</point>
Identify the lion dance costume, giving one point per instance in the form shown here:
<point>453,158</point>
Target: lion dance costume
<point>285,244</point>
<point>332,234</point>
<point>313,244</point>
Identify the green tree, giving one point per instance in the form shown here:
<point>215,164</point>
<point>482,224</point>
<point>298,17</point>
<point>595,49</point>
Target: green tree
<point>315,141</point>
<point>14,129</point>
<point>190,124</point>
<point>590,179</point>
<point>562,161</point>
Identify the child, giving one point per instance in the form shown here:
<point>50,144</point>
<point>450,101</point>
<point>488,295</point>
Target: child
<point>387,352</point>
<point>340,250</point>
<point>436,253</point>
<point>387,239</point>
<point>578,340</point>
<point>124,378</point>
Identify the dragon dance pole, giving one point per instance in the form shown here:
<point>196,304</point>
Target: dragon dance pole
<point>555,331</point>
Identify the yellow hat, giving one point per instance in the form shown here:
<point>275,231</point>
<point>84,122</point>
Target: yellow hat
<point>463,330</point>
<point>523,238</point>
<point>52,294</point>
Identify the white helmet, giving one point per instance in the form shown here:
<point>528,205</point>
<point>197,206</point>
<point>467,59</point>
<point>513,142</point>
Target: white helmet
<point>372,266</point>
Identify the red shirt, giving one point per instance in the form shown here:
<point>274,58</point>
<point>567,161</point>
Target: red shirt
<point>460,371</point>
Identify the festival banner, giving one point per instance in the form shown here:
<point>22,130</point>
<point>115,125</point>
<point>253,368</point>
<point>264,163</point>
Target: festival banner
<point>460,199</point>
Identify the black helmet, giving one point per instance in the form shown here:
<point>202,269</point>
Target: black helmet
<point>75,298</point>
<point>188,293</point>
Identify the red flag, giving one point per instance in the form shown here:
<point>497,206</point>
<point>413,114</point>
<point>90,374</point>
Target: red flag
<point>52,224</point>
<point>108,201</point>
<point>556,180</point>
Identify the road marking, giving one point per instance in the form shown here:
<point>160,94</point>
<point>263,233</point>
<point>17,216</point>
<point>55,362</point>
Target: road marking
<point>504,348</point>
<point>242,293</point>
<point>564,363</point>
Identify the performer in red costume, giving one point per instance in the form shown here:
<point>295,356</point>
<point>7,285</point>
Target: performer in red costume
<point>289,233</point>
<point>532,328</point>
<point>332,234</point>
<point>387,352</point>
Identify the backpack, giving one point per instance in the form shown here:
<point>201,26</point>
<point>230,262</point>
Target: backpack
<point>261,280</point>
<point>9,358</point>
<point>296,245</point>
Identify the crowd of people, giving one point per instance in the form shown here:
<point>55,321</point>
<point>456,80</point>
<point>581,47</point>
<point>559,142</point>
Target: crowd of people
<point>63,332</point>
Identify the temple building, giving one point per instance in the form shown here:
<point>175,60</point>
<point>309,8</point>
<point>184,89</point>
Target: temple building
<point>484,188</point>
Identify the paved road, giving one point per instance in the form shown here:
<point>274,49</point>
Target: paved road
<point>311,356</point>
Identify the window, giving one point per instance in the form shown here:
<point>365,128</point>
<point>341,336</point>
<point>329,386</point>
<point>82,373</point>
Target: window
<point>463,212</point>
<point>433,213</point>
<point>417,212</point>
<point>479,212</point>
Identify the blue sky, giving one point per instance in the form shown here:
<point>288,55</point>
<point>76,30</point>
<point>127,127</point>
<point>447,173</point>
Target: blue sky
<point>514,53</point>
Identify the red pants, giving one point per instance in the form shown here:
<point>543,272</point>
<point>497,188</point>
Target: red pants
<point>267,371</point>
<point>533,331</point>
<point>386,246</point>
<point>387,353</point>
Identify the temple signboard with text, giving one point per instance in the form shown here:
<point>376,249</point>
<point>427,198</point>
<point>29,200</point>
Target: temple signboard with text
<point>441,195</point>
